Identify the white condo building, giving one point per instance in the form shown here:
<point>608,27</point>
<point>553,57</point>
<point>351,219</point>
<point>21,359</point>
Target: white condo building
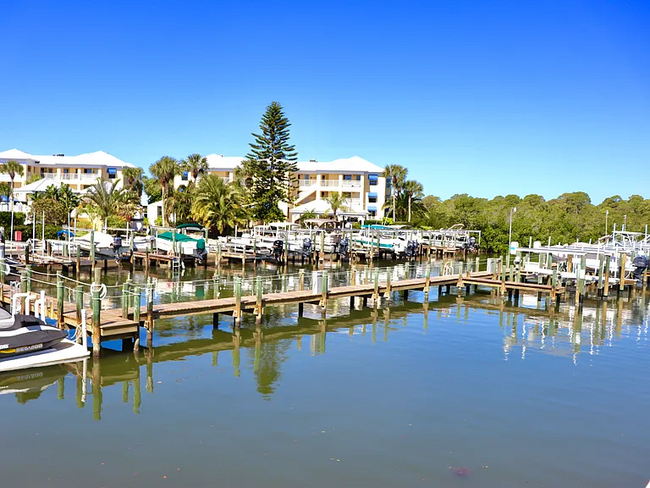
<point>360,181</point>
<point>80,172</point>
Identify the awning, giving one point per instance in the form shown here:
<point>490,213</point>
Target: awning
<point>373,177</point>
<point>372,208</point>
<point>111,171</point>
<point>372,195</point>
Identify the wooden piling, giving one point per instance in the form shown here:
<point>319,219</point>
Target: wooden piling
<point>96,307</point>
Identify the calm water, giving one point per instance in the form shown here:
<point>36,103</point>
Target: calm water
<point>504,396</point>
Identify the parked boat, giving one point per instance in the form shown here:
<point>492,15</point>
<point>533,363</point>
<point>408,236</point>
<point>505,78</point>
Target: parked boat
<point>24,334</point>
<point>185,246</point>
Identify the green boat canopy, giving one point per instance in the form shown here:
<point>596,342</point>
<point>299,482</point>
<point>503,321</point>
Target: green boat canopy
<point>179,237</point>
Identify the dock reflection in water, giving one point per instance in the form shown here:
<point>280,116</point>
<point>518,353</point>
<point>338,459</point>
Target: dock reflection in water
<point>468,374</point>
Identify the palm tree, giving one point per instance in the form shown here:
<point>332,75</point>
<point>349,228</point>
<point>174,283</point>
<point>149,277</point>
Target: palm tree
<point>414,190</point>
<point>106,200</point>
<point>195,165</point>
<point>397,175</point>
<point>218,205</point>
<point>133,180</point>
<point>12,168</point>
<point>5,189</point>
<point>165,169</point>
<point>337,202</point>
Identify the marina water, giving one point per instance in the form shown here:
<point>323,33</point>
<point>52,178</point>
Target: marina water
<point>459,391</point>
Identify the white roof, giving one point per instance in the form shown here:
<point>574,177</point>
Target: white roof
<point>38,185</point>
<point>355,164</point>
<point>14,154</point>
<point>97,158</point>
<point>220,162</point>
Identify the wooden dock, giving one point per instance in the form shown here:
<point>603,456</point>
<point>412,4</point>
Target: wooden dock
<point>124,323</point>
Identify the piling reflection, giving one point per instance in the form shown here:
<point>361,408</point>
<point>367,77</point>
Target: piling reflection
<point>261,350</point>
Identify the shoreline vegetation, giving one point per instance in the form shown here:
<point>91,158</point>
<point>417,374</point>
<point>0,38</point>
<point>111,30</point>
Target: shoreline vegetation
<point>266,178</point>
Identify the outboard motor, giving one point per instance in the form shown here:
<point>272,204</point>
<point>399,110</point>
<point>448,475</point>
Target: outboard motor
<point>306,246</point>
<point>344,247</point>
<point>412,249</point>
<point>117,244</point>
<point>201,252</point>
<point>640,263</point>
<point>278,250</point>
<point>472,244</point>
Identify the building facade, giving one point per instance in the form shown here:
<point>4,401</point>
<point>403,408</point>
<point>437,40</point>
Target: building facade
<point>358,180</point>
<point>79,172</point>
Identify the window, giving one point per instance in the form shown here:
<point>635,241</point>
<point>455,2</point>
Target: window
<point>372,179</point>
<point>112,173</point>
<point>88,171</point>
<point>347,177</point>
<point>185,176</point>
<point>372,198</point>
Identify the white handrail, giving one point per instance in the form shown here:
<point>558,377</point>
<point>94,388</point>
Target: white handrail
<point>14,301</point>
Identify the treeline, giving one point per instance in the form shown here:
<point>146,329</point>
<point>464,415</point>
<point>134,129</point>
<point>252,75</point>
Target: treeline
<point>565,219</point>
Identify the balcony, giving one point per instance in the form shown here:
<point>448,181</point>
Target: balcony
<point>329,183</point>
<point>307,182</point>
<point>352,183</point>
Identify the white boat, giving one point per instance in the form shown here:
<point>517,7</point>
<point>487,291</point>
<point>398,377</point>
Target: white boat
<point>181,244</point>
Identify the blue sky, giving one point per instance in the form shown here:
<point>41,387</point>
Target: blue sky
<point>484,98</point>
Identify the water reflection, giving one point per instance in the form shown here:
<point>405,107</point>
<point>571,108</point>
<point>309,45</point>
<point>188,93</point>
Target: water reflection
<point>260,351</point>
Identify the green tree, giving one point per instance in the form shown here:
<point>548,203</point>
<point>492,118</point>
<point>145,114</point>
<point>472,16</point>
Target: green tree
<point>218,205</point>
<point>165,169</point>
<point>272,164</point>
<point>396,174</point>
<point>5,189</point>
<point>180,203</point>
<point>152,189</point>
<point>105,200</point>
<point>337,202</point>
<point>49,209</point>
<point>32,178</point>
<point>12,168</point>
<point>414,192</point>
<point>195,165</point>
<point>133,180</point>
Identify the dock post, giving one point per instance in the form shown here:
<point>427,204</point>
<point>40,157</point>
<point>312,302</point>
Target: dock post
<point>387,294</point>
<point>375,295</point>
<point>321,258</point>
<point>96,305</point>
<point>606,283</point>
<point>92,248</point>
<point>215,286</point>
<point>511,273</point>
<point>237,311</point>
<point>125,299</point>
<point>324,293</point>
<point>79,295</point>
<point>59,300</point>
<point>621,282</point>
<point>77,268</point>
<point>150,322</point>
<point>136,305</point>
<point>28,276</point>
<point>427,280</point>
<point>301,279</point>
<point>2,271</point>
<point>259,307</point>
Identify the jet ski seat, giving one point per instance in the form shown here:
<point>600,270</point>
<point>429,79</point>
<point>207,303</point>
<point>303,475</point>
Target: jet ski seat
<point>8,321</point>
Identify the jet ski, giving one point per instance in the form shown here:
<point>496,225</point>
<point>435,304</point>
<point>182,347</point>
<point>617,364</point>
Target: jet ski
<point>24,334</point>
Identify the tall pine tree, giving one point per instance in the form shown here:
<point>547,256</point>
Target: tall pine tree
<point>272,164</point>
